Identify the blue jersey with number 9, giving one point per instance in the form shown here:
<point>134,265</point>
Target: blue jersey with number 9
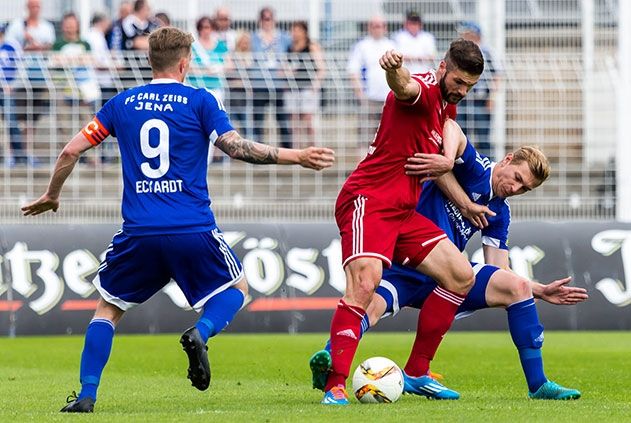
<point>163,131</point>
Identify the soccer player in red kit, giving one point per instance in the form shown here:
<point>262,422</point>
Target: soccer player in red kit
<point>375,210</point>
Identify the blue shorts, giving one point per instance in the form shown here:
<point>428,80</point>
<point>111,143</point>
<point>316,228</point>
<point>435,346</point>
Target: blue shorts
<point>406,287</point>
<point>136,267</point>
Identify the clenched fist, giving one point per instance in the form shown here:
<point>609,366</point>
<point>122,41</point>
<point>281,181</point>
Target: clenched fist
<point>391,60</point>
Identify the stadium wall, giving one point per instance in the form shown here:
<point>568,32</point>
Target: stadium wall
<point>296,278</point>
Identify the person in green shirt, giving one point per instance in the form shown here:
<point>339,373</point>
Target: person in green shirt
<point>73,51</point>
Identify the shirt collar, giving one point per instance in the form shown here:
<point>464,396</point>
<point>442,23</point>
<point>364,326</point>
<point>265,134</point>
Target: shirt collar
<point>491,180</point>
<point>164,81</point>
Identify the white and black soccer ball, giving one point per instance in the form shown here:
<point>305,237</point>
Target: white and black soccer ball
<point>378,379</point>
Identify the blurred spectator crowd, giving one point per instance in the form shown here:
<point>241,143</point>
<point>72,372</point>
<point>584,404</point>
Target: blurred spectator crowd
<point>252,71</point>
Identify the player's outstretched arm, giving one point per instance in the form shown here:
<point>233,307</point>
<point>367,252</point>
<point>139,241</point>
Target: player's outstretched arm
<point>237,147</point>
<point>63,167</point>
<point>557,292</point>
<point>398,77</point>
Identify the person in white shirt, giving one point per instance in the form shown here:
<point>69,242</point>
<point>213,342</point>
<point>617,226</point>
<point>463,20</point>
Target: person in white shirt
<point>32,33</point>
<point>417,46</point>
<point>368,79</point>
<point>105,67</point>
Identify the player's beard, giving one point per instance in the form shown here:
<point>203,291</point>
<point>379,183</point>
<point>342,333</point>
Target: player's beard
<point>447,96</point>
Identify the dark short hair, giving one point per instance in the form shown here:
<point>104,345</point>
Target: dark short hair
<point>200,23</point>
<point>413,16</point>
<point>164,18</point>
<point>69,15</point>
<point>265,11</point>
<point>466,56</point>
<point>139,4</point>
<point>97,18</point>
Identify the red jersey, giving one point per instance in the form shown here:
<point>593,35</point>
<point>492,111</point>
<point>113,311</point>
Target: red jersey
<point>405,128</point>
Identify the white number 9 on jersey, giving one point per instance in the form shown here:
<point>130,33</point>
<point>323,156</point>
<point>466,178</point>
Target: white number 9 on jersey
<point>150,152</point>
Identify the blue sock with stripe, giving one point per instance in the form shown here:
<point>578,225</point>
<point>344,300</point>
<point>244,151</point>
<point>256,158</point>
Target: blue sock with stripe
<point>96,352</point>
<point>219,312</point>
<point>527,334</point>
<point>365,325</point>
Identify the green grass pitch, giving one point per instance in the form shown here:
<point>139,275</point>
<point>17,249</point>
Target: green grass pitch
<point>266,378</point>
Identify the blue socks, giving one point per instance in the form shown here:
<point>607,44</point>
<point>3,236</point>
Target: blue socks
<point>96,352</point>
<point>527,334</point>
<point>365,325</point>
<point>219,312</point>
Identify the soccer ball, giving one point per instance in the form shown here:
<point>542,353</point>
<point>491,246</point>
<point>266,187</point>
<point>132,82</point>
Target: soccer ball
<point>378,379</point>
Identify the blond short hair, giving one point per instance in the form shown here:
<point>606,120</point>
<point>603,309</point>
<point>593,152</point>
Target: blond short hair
<point>538,163</point>
<point>167,46</point>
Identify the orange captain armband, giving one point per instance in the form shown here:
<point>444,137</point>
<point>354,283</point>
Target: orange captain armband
<point>95,132</point>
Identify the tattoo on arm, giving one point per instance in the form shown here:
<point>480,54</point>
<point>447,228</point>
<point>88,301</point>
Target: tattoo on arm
<point>237,147</point>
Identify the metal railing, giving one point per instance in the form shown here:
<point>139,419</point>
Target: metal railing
<point>548,100</point>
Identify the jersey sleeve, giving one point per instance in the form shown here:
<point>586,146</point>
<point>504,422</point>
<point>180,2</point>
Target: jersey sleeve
<point>215,120</point>
<point>451,111</point>
<point>102,125</point>
<point>468,161</point>
<point>496,234</point>
<point>421,99</point>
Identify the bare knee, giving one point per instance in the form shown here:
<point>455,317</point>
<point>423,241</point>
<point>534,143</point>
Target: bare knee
<point>519,290</point>
<point>242,286</point>
<point>364,290</point>
<point>364,279</point>
<point>376,309</point>
<point>108,311</point>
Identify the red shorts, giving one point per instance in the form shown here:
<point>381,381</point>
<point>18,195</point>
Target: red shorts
<point>370,228</point>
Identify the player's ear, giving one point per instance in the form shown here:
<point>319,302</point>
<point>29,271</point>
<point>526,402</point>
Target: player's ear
<point>508,159</point>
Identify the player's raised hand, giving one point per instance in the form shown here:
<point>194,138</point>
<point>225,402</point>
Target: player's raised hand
<point>41,205</point>
<point>317,158</point>
<point>558,292</point>
<point>391,60</point>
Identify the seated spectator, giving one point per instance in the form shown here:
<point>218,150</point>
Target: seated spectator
<point>162,19</point>
<point>209,56</point>
<point>9,59</point>
<point>104,69</point>
<point>302,100</point>
<point>241,67</point>
<point>418,47</point>
<point>137,27</point>
<point>269,45</point>
<point>34,35</point>
<point>74,51</point>
<point>114,36</point>
<point>224,29</point>
<point>81,89</point>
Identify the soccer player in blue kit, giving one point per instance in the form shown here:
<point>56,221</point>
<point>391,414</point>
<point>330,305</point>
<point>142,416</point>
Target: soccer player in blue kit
<point>474,188</point>
<point>169,231</point>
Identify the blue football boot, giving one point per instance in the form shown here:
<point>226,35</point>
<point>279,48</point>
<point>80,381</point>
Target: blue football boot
<point>336,396</point>
<point>427,387</point>
<point>553,391</point>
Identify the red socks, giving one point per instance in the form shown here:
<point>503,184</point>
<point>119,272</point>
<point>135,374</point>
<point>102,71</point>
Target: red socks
<point>434,320</point>
<point>345,334</point>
